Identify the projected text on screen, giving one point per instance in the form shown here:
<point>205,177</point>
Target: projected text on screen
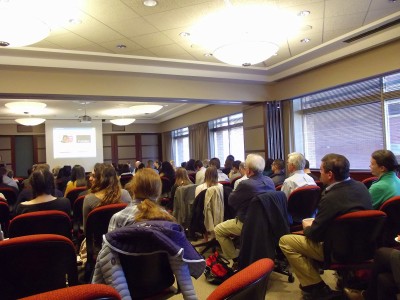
<point>74,142</point>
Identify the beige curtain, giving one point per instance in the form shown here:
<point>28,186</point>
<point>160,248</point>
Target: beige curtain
<point>167,149</point>
<point>199,141</point>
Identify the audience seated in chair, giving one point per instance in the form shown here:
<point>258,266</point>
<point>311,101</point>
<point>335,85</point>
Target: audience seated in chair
<point>42,184</point>
<point>278,172</point>
<point>235,173</point>
<point>78,179</point>
<point>200,171</point>
<point>210,179</point>
<point>297,178</point>
<point>105,190</point>
<point>217,163</point>
<point>308,171</point>
<point>146,186</point>
<point>242,170</point>
<point>181,179</point>
<point>341,196</point>
<point>240,200</point>
<point>384,165</point>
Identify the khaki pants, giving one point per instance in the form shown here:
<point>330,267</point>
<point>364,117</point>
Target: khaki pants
<point>223,233</point>
<point>301,253</point>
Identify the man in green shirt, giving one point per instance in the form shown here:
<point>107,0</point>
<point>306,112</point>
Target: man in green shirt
<point>384,165</point>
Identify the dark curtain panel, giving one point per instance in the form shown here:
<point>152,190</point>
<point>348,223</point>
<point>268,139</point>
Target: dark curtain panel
<point>167,149</point>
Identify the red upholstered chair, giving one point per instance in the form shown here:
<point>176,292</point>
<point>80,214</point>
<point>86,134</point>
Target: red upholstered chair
<point>278,187</point>
<point>40,222</point>
<point>81,292</point>
<point>369,181</point>
<point>35,264</point>
<point>74,193</point>
<point>4,216</point>
<point>351,241</point>
<point>303,203</point>
<point>97,225</point>
<point>392,225</point>
<point>249,283</point>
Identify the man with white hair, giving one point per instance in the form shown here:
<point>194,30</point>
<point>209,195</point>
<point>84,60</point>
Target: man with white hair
<point>240,200</point>
<point>297,178</point>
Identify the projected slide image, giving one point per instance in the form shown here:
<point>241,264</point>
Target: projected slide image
<point>74,142</point>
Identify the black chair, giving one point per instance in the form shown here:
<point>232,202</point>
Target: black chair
<point>35,264</point>
<point>97,225</point>
<point>392,225</point>
<point>41,222</point>
<point>266,217</point>
<point>144,250</point>
<point>351,241</point>
<point>302,204</point>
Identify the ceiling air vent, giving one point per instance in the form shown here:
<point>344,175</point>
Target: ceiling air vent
<point>373,31</point>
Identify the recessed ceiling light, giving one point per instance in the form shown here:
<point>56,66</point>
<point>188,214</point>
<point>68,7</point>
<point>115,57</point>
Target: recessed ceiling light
<point>121,46</point>
<point>150,3</point>
<point>305,27</point>
<point>75,21</point>
<point>184,34</point>
<point>304,13</point>
<point>208,54</point>
<point>306,40</point>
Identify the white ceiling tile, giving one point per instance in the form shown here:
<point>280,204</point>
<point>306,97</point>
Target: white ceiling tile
<point>334,8</point>
<point>152,40</point>
<point>69,40</point>
<point>167,50</point>
<point>133,27</point>
<point>349,22</point>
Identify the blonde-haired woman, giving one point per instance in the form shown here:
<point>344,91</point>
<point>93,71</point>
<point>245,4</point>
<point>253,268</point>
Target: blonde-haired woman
<point>146,188</point>
<point>210,179</point>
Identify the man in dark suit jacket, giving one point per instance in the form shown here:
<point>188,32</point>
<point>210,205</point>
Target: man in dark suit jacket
<point>341,196</point>
<point>240,201</point>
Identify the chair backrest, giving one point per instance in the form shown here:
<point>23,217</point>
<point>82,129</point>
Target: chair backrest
<point>97,225</point>
<point>278,187</point>
<point>124,179</point>
<point>74,193</point>
<point>36,263</point>
<point>4,216</point>
<point>11,196</point>
<point>249,283</point>
<point>77,215</point>
<point>148,275</point>
<point>303,202</point>
<point>183,204</point>
<point>166,185</point>
<point>41,222</point>
<point>234,180</point>
<point>81,292</point>
<point>353,237</point>
<point>369,181</point>
<point>392,225</point>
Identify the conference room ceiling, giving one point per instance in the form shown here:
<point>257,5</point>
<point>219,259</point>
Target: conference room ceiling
<point>151,36</point>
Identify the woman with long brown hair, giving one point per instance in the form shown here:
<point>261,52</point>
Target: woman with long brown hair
<point>106,189</point>
<point>146,188</point>
<point>210,179</point>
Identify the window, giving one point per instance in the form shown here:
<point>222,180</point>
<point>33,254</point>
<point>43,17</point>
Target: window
<point>227,137</point>
<point>347,120</point>
<point>180,144</point>
<point>391,92</point>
